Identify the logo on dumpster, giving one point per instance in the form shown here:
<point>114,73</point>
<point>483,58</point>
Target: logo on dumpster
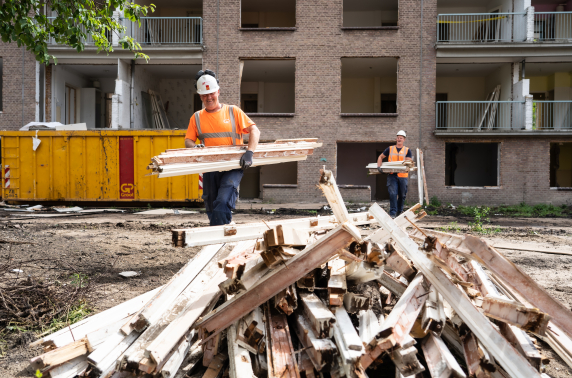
<point>127,190</point>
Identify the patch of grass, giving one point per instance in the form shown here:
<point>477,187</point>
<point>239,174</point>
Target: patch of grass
<point>74,315</point>
<point>79,280</point>
<point>540,210</point>
<point>434,201</point>
<point>312,212</point>
<point>3,343</point>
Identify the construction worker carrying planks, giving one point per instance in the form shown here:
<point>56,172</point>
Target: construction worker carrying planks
<point>220,125</point>
<point>396,182</point>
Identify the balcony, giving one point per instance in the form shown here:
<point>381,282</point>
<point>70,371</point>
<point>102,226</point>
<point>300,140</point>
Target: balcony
<point>552,115</point>
<point>157,31</point>
<point>479,116</point>
<point>553,27</point>
<point>481,27</point>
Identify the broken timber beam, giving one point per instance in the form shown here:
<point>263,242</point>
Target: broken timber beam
<point>355,303</point>
<point>287,300</point>
<point>239,358</point>
<point>392,284</point>
<point>440,361</point>
<point>337,286</point>
<point>292,270</point>
<point>61,355</point>
<point>509,358</point>
<point>398,323</point>
<point>320,351</point>
<point>282,362</point>
<point>333,195</point>
<point>404,220</point>
<point>200,236</point>
<point>512,312</point>
<point>522,342</point>
<point>475,357</point>
<point>251,331</point>
<point>433,318</point>
<point>520,281</point>
<point>401,265</point>
<point>318,314</point>
<point>405,359</point>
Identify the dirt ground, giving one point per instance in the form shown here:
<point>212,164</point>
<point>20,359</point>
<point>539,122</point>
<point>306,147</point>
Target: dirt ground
<point>103,245</point>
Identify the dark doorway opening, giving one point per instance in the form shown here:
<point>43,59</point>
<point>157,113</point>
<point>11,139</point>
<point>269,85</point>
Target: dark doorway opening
<point>471,164</point>
<point>561,165</point>
<point>352,158</point>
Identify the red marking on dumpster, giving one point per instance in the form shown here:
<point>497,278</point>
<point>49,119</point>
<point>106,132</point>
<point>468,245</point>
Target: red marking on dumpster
<point>126,168</point>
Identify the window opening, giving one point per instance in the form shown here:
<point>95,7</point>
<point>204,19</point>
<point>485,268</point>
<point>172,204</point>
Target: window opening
<point>561,165</point>
<point>268,14</point>
<point>370,13</point>
<point>369,86</point>
<point>268,87</point>
<point>471,164</point>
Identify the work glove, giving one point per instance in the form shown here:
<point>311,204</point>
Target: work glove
<point>246,159</point>
<point>379,169</point>
<point>199,145</point>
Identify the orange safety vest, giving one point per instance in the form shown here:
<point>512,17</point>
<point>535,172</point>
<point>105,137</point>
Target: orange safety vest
<point>226,130</point>
<point>398,156</point>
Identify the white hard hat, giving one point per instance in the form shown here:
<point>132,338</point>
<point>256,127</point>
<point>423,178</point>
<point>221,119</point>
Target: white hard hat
<point>402,133</point>
<point>207,84</point>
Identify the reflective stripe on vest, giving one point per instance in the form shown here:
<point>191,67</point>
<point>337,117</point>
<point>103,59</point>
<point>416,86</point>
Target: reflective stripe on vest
<point>223,134</point>
<point>394,155</point>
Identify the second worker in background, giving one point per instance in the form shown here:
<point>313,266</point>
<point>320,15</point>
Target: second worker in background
<point>220,125</point>
<point>396,182</point>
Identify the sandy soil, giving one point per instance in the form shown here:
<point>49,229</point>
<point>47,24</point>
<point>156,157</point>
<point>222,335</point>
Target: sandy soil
<point>104,245</point>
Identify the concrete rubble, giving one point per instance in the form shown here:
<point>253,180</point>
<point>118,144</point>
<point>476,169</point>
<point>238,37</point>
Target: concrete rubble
<point>290,299</point>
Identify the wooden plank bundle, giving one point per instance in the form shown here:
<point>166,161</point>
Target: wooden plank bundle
<point>392,167</point>
<point>186,161</point>
<point>255,307</point>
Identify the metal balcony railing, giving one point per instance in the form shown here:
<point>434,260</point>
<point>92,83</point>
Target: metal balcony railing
<point>553,26</point>
<point>167,30</point>
<point>551,115</point>
<point>158,31</point>
<point>481,27</point>
<point>479,115</point>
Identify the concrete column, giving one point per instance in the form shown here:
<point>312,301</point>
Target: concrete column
<point>530,24</point>
<point>260,97</point>
<point>377,95</point>
<point>528,112</point>
<point>114,37</point>
<point>515,73</point>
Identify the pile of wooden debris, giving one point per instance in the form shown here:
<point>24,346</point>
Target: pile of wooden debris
<point>311,297</point>
<point>186,161</point>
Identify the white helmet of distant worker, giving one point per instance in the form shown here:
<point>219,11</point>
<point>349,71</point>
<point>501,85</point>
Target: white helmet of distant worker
<point>402,133</point>
<point>207,84</point>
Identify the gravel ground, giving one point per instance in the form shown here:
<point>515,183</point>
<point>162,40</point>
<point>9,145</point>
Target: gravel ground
<point>103,245</point>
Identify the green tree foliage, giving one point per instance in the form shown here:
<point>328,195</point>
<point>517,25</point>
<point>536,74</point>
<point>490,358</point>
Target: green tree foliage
<point>25,22</point>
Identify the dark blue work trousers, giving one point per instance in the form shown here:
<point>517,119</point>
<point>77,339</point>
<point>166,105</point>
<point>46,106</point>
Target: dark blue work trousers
<point>397,188</point>
<point>220,191</point>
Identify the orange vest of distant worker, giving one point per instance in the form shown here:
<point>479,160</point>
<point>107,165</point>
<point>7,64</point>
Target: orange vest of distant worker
<point>398,156</point>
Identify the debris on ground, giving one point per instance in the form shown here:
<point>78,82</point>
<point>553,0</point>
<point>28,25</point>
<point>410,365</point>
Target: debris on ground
<point>312,297</point>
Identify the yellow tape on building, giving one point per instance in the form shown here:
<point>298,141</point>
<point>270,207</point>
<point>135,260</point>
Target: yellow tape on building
<point>466,22</point>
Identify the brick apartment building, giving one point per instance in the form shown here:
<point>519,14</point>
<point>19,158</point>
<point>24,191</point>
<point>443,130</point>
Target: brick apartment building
<point>484,88</point>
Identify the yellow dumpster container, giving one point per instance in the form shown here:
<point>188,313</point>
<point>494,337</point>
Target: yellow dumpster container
<point>92,165</point>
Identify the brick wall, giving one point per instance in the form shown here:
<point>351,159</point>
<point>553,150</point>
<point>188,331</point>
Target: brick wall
<point>19,70</point>
<point>318,45</point>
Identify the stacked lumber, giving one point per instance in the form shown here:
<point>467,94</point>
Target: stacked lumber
<point>186,161</point>
<point>392,167</point>
<point>301,298</point>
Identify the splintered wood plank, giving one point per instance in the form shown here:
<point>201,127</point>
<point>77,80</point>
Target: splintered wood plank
<point>160,301</point>
<point>216,365</point>
<point>285,236</point>
<point>350,337</point>
<point>216,234</point>
<point>513,362</point>
<point>239,358</point>
<point>392,284</point>
<point>405,359</point>
<point>401,265</point>
<point>320,351</point>
<point>473,357</point>
<point>332,194</point>
<point>321,318</point>
<point>287,300</point>
<point>59,356</point>
<point>434,318</point>
<point>404,220</point>
<point>173,159</point>
<point>297,267</point>
<point>504,309</point>
<point>282,363</point>
<point>440,361</point>
<point>337,286</point>
<point>251,332</point>
<point>521,282</point>
<point>368,326</point>
<point>355,303</point>
<point>522,342</point>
